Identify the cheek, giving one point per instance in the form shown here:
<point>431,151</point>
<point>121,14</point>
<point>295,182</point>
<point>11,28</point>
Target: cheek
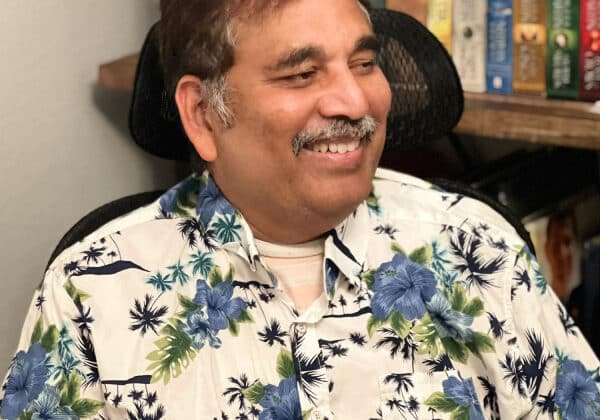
<point>381,98</point>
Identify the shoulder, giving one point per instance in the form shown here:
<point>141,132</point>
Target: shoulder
<point>143,228</point>
<point>402,197</point>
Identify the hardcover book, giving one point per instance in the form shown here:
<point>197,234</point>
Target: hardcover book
<point>499,66</point>
<point>589,55</point>
<point>439,21</point>
<point>563,49</point>
<point>529,47</point>
<point>558,250</point>
<point>469,43</point>
<point>415,8</point>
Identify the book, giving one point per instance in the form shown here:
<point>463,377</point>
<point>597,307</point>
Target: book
<point>469,44</point>
<point>499,66</point>
<point>562,63</point>
<point>558,250</point>
<point>584,302</point>
<point>529,47</point>
<point>589,54</point>
<point>415,8</point>
<point>439,21</point>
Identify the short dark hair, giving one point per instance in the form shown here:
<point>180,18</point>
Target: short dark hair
<point>196,38</point>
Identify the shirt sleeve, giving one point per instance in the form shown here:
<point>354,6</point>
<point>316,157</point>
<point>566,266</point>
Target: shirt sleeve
<point>54,372</point>
<point>554,365</point>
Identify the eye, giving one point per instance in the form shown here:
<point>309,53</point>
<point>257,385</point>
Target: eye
<point>300,79</point>
<point>364,66</point>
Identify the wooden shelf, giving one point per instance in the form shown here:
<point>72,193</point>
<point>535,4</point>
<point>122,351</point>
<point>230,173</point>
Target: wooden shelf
<point>118,74</point>
<point>520,118</point>
<point>531,119</point>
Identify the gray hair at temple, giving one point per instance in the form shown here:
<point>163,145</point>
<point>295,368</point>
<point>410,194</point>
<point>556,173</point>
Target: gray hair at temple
<point>197,37</point>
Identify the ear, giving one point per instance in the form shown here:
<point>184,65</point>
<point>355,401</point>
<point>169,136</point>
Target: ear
<point>195,117</point>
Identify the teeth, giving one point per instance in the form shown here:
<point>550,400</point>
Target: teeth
<point>335,147</point>
<point>353,146</point>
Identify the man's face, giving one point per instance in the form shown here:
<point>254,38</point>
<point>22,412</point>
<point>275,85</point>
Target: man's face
<point>299,69</point>
<point>559,249</point>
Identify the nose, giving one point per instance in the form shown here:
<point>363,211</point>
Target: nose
<point>344,96</point>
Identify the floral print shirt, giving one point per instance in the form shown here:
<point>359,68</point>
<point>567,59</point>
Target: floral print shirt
<point>434,308</point>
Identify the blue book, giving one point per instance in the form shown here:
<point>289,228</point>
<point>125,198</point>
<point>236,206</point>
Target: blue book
<point>499,73</point>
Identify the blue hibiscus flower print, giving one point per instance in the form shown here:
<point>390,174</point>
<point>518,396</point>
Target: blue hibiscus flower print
<point>220,306</point>
<point>403,286</point>
<point>198,329</point>
<point>462,392</point>
<point>576,393</point>
<point>281,402</point>
<point>25,381</point>
<point>167,201</point>
<point>47,407</point>
<point>212,201</point>
<point>448,322</point>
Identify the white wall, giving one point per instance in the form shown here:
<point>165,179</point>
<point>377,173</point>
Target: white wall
<point>60,155</point>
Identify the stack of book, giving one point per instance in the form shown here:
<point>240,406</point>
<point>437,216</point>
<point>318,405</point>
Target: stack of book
<point>531,47</point>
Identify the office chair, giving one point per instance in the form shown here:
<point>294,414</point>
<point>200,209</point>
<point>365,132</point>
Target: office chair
<point>427,102</point>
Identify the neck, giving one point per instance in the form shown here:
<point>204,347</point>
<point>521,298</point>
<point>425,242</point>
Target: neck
<point>288,230</point>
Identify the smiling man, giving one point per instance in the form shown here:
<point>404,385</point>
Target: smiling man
<point>316,91</point>
<point>292,279</point>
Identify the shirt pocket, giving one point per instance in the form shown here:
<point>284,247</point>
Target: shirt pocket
<point>404,395</point>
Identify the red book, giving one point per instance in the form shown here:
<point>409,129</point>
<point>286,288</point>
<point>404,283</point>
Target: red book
<point>589,53</point>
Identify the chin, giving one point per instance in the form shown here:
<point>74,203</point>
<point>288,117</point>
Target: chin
<point>337,202</point>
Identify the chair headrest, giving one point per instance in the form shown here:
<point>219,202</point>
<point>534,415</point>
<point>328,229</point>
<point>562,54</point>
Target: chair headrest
<point>427,97</point>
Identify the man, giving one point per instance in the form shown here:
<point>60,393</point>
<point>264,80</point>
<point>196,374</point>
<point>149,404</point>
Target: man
<point>284,282</point>
<point>560,248</point>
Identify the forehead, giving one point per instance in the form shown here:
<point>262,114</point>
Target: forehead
<point>296,23</point>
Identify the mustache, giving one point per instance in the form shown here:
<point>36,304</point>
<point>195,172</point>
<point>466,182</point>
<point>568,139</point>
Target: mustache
<point>362,129</point>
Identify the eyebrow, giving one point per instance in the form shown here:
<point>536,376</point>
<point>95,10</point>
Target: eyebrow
<point>297,56</point>
<point>367,43</point>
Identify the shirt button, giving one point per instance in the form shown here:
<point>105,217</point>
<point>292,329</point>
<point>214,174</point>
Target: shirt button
<point>317,415</point>
<point>301,328</point>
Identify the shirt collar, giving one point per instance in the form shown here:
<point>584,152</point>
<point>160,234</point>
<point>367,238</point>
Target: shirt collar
<point>220,225</point>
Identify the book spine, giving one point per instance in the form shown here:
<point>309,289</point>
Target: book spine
<point>563,49</point>
<point>499,69</point>
<point>529,47</point>
<point>589,54</point>
<point>439,21</point>
<point>469,43</point>
<point>414,8</point>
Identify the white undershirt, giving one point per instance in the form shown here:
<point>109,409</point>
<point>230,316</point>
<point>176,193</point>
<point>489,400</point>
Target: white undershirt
<point>298,268</point>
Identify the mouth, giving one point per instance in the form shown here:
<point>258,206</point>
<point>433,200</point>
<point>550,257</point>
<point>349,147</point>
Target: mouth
<point>334,146</point>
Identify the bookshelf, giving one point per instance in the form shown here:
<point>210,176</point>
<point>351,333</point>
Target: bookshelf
<point>531,119</point>
<point>502,117</point>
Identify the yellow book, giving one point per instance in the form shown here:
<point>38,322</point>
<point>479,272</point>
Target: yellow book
<point>439,21</point>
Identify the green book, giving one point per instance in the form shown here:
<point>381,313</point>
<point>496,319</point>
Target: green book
<point>562,61</point>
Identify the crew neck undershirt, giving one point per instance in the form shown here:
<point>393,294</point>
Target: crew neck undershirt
<point>298,268</point>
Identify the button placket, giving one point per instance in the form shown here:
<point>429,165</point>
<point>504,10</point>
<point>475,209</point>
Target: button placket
<point>314,393</point>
